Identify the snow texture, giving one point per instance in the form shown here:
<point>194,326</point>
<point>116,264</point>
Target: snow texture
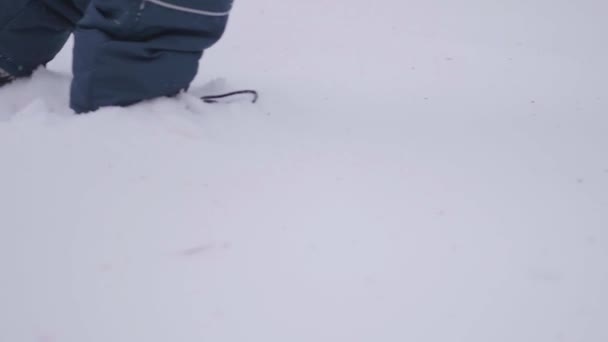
<point>416,170</point>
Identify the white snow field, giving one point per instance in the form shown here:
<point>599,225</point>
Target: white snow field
<point>416,170</point>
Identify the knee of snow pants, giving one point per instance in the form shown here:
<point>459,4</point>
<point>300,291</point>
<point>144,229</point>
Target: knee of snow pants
<point>131,50</point>
<point>33,31</point>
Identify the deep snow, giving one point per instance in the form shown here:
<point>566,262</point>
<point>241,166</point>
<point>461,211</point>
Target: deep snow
<point>415,171</point>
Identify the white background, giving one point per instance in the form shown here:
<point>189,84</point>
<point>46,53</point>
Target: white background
<point>415,171</point>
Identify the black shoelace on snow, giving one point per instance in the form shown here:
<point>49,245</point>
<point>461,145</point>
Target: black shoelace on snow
<point>233,94</point>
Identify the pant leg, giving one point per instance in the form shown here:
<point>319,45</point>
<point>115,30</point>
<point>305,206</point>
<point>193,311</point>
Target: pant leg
<point>33,31</point>
<point>131,50</point>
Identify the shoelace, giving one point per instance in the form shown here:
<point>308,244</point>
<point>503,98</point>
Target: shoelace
<point>216,98</point>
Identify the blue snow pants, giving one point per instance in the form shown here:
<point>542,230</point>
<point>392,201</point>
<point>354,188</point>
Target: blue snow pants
<point>125,50</point>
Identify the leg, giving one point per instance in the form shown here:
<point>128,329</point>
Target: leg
<point>130,50</point>
<point>33,31</point>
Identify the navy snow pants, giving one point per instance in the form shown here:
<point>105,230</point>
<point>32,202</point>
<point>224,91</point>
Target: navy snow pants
<point>125,50</point>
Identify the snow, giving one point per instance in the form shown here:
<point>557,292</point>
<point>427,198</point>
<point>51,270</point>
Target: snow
<point>414,171</point>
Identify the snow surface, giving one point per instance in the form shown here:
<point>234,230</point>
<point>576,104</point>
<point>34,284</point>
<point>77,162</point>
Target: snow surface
<point>416,170</point>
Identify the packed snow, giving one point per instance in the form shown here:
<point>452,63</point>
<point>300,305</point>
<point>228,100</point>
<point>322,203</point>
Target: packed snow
<point>415,170</point>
